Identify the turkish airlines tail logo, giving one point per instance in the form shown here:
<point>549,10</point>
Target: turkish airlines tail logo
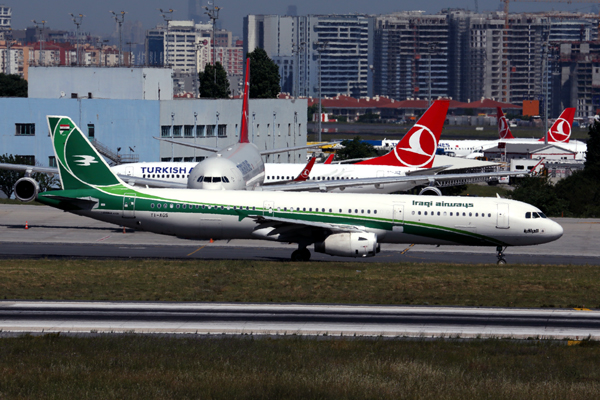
<point>306,171</point>
<point>503,128</point>
<point>560,132</point>
<point>417,148</point>
<point>244,124</point>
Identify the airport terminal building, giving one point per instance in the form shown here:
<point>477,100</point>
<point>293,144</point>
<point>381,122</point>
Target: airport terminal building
<point>123,110</point>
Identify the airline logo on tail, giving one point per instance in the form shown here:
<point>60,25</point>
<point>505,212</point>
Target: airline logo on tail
<point>503,128</point>
<point>421,149</point>
<point>85,161</point>
<point>561,129</point>
<point>306,171</point>
<point>418,147</point>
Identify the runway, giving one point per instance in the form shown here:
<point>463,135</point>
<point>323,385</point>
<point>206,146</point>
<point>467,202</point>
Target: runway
<point>53,233</point>
<point>285,319</point>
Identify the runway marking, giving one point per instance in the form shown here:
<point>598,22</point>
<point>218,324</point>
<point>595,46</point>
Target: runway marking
<point>407,249</point>
<point>104,238</point>
<point>198,249</point>
<point>581,309</point>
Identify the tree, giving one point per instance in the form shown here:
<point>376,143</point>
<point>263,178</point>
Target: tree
<point>539,192</point>
<point>12,86</point>
<point>208,89</point>
<point>592,158</point>
<point>264,76</point>
<point>355,148</point>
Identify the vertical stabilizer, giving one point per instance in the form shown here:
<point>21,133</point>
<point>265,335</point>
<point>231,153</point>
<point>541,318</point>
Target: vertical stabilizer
<point>503,128</point>
<point>560,132</point>
<point>417,148</point>
<point>244,123</point>
<point>79,164</point>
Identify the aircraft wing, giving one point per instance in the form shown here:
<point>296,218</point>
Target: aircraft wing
<point>151,183</point>
<point>192,145</point>
<point>286,149</point>
<point>29,168</point>
<point>409,182</point>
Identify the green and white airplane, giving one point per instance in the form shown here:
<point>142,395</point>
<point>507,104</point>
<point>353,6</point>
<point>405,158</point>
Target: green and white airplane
<point>338,224</point>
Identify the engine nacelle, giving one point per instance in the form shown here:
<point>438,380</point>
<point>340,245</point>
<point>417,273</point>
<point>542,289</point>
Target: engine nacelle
<point>430,191</point>
<point>355,244</point>
<point>26,189</point>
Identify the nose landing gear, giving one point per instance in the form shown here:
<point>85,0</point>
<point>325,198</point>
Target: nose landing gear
<point>302,254</point>
<point>500,255</point>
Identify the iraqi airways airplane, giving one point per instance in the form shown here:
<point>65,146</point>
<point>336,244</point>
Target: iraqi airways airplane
<point>334,223</point>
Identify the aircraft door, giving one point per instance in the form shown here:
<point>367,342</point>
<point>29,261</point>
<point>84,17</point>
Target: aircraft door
<point>502,216</point>
<point>398,218</point>
<point>268,207</point>
<point>128,207</point>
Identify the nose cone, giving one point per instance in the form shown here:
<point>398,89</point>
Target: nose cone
<point>555,231</point>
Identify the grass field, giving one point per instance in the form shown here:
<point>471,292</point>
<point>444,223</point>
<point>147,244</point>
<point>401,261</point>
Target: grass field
<point>146,367</point>
<point>311,282</point>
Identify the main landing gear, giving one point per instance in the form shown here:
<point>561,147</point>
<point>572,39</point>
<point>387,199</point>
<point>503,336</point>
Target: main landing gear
<point>302,254</point>
<point>500,255</point>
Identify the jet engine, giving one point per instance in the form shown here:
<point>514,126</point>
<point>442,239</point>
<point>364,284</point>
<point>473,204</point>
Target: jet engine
<point>354,244</point>
<point>430,191</point>
<point>26,189</point>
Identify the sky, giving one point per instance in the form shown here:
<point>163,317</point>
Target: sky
<point>98,19</point>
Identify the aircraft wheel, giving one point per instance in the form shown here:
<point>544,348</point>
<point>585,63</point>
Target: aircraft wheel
<point>295,255</point>
<point>304,254</point>
<point>501,261</point>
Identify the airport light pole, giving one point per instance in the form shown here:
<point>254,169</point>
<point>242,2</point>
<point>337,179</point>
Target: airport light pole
<point>119,18</point>
<point>213,13</point>
<point>545,48</point>
<point>41,39</point>
<point>77,19</point>
<point>320,47</point>
<point>167,16</point>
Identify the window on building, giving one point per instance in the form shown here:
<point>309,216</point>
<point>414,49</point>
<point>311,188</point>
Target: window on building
<point>177,159</point>
<point>210,130</point>
<point>165,159</point>
<point>52,161</point>
<point>165,131</point>
<point>200,131</point>
<point>27,160</point>
<point>188,131</point>
<point>188,159</point>
<point>25,129</point>
<point>177,130</point>
<point>200,158</point>
<point>223,130</point>
<point>91,131</point>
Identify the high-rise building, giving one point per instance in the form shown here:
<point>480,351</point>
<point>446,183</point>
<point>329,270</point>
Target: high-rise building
<point>343,43</point>
<point>5,18</point>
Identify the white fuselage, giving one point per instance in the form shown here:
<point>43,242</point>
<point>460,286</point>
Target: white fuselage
<point>448,220</point>
<point>464,148</point>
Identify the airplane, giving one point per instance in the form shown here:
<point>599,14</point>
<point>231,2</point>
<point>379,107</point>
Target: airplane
<point>559,133</point>
<point>408,165</point>
<point>335,224</point>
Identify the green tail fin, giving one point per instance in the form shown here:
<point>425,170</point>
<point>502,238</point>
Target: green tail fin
<point>79,164</point>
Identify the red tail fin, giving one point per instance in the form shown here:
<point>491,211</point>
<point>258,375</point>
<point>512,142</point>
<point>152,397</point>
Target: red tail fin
<point>417,148</point>
<point>306,171</point>
<point>560,131</point>
<point>329,159</point>
<point>503,128</point>
<point>244,124</point>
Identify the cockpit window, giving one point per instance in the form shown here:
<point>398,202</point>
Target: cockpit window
<point>200,178</point>
<point>542,215</point>
<point>216,179</point>
<point>527,215</point>
<point>225,179</point>
<point>207,179</point>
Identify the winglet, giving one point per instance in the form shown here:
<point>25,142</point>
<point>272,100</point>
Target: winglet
<point>244,124</point>
<point>80,166</point>
<point>417,148</point>
<point>306,171</point>
<point>560,132</point>
<point>329,158</point>
<point>503,128</point>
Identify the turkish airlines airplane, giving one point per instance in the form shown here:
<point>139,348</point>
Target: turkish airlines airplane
<point>335,224</point>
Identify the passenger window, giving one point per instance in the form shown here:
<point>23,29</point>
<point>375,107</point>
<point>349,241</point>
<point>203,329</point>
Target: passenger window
<point>419,212</point>
<point>425,213</point>
<point>470,214</point>
<point>490,215</point>
<point>356,211</point>
<point>178,205</point>
<point>375,212</point>
<point>464,214</point>
<point>349,211</point>
<point>450,214</point>
<point>438,213</point>
<point>330,210</point>
<point>152,205</point>
<point>368,211</point>
<point>158,205</point>
<point>362,211</point>
<point>413,213</point>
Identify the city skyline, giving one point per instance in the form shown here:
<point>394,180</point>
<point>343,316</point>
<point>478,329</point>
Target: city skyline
<point>98,19</point>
